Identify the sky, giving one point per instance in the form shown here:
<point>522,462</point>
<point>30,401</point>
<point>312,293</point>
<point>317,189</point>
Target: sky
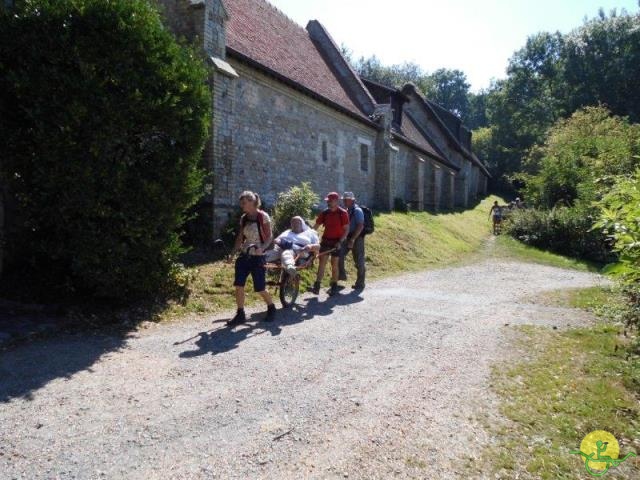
<point>475,36</point>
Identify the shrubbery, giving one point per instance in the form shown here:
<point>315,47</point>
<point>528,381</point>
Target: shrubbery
<point>620,221</point>
<point>567,231</point>
<point>581,158</point>
<point>297,201</point>
<point>575,167</point>
<point>103,117</point>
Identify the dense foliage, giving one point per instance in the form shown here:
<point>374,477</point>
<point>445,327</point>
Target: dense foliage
<point>103,118</point>
<point>567,231</point>
<point>577,165</point>
<point>553,75</point>
<point>620,221</point>
<point>297,201</point>
<point>580,158</point>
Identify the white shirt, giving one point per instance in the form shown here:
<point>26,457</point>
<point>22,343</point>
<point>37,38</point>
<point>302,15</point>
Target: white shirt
<point>300,240</point>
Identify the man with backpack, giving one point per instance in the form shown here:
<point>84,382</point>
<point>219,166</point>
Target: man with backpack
<point>336,228</point>
<point>361,223</point>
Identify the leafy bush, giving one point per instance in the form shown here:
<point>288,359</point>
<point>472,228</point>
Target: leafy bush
<point>581,157</point>
<point>297,201</point>
<point>103,118</point>
<point>567,231</point>
<point>620,221</point>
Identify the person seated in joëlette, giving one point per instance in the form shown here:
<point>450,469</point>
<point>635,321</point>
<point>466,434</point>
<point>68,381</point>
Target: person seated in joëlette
<point>300,241</point>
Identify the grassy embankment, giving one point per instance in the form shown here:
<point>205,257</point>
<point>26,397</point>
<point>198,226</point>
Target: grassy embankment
<point>402,242</point>
<point>568,383</point>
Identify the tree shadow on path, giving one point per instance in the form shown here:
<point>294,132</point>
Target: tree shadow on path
<point>229,338</point>
<point>28,368</point>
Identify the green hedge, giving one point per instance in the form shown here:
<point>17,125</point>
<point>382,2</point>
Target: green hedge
<point>620,221</point>
<point>567,231</point>
<point>297,201</point>
<point>103,117</point>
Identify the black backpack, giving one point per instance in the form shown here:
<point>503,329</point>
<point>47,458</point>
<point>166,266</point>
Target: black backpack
<point>369,225</point>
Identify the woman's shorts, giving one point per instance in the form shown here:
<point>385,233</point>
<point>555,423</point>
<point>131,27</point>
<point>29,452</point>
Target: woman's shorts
<point>328,244</point>
<point>251,265</point>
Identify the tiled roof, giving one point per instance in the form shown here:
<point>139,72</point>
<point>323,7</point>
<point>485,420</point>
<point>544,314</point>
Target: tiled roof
<point>410,131</point>
<point>433,109</point>
<point>381,93</point>
<point>262,33</point>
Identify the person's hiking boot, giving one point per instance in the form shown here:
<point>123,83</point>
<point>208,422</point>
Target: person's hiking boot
<point>271,313</point>
<point>238,319</point>
<point>315,289</point>
<point>334,289</point>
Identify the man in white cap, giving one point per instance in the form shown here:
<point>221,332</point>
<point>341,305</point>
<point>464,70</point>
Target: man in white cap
<point>355,240</point>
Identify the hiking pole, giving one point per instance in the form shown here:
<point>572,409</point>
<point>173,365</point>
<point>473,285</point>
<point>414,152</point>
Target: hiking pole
<point>194,337</point>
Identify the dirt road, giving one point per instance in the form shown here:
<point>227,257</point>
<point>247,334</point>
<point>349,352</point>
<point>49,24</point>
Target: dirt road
<point>386,384</point>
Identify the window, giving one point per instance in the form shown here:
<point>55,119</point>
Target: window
<point>364,157</point>
<point>325,151</point>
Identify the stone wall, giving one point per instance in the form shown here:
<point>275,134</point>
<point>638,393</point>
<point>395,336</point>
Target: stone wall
<point>269,137</point>
<point>462,184</point>
<point>433,186</point>
<point>448,188</point>
<point>186,19</point>
<point>408,174</point>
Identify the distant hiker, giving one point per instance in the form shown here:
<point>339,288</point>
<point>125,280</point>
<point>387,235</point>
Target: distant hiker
<point>336,228</point>
<point>253,238</point>
<point>355,240</point>
<point>496,214</point>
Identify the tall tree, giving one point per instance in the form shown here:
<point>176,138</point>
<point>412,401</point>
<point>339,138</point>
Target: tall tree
<point>602,64</point>
<point>477,116</point>
<point>450,89</point>
<point>103,117</point>
<point>522,107</point>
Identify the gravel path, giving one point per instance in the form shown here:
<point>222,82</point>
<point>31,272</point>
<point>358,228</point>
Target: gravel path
<point>382,385</point>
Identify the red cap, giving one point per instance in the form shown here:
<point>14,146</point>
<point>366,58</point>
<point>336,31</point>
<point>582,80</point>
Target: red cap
<point>332,196</point>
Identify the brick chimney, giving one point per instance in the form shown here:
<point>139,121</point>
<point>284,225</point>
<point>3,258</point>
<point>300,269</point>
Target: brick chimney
<point>200,22</point>
<point>215,32</point>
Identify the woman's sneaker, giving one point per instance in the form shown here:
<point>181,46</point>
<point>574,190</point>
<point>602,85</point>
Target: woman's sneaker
<point>334,289</point>
<point>271,313</point>
<point>238,319</point>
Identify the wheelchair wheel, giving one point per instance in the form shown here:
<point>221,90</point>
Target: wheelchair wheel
<point>289,289</point>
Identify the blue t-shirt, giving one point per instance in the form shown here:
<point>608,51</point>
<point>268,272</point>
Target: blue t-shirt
<point>356,217</point>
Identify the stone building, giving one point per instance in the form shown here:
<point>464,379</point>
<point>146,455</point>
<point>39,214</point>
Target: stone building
<point>289,108</point>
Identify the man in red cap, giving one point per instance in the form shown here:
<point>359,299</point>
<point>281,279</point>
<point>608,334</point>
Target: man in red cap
<point>336,228</point>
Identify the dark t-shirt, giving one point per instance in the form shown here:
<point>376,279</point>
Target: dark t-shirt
<point>334,223</point>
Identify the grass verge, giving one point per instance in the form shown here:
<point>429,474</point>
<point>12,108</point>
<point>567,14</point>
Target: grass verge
<point>508,247</point>
<point>402,242</point>
<point>568,383</point>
